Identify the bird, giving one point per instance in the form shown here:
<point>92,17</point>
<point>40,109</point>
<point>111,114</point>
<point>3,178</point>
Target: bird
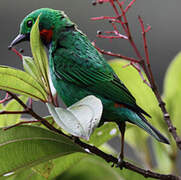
<point>78,69</point>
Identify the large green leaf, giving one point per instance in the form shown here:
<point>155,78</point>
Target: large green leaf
<point>20,82</point>
<point>131,175</point>
<point>164,163</point>
<point>26,146</point>
<point>27,174</point>
<point>172,90</point>
<point>49,169</point>
<point>30,67</point>
<point>55,167</point>
<point>1,106</point>
<point>39,54</point>
<point>104,133</point>
<point>13,105</point>
<point>131,78</point>
<point>173,78</point>
<point>90,168</point>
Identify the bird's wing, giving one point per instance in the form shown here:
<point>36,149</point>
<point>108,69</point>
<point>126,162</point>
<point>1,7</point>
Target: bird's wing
<point>94,74</point>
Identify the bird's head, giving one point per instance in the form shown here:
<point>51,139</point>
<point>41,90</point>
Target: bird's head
<point>51,22</point>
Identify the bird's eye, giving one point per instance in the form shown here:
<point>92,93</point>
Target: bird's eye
<point>29,23</point>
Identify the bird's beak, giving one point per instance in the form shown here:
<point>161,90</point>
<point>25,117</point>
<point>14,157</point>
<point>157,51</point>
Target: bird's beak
<point>18,39</point>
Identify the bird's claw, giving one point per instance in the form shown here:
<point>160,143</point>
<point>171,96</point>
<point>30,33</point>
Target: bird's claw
<point>120,163</point>
<point>112,165</point>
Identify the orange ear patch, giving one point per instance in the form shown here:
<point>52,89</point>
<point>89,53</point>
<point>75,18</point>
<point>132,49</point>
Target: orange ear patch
<point>116,105</point>
<point>46,34</point>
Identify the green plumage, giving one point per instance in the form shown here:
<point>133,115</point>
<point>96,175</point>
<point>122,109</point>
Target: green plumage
<point>78,69</point>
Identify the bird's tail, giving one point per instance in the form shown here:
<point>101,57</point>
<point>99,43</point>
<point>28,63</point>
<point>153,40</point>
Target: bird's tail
<point>144,124</point>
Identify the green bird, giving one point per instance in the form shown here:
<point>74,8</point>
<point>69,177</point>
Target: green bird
<point>77,70</point>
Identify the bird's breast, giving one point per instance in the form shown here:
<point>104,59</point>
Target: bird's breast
<point>69,92</point>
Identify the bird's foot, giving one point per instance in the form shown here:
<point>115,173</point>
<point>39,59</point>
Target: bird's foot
<point>120,163</point>
<point>75,139</point>
<point>113,164</point>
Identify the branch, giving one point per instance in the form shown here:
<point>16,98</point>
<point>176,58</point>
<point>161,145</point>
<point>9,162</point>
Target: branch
<point>20,123</point>
<point>13,112</point>
<point>129,35</point>
<point>6,98</point>
<point>139,71</point>
<point>111,37</point>
<point>166,115</point>
<point>117,55</point>
<point>107,157</point>
<point>17,53</point>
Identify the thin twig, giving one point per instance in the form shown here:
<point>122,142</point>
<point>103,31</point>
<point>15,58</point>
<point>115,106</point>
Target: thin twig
<point>120,36</point>
<point>129,5</point>
<point>103,17</point>
<point>166,115</point>
<point>13,112</point>
<point>114,7</point>
<point>129,35</point>
<point>6,98</point>
<point>17,52</point>
<point>30,103</point>
<point>117,55</point>
<point>146,50</point>
<point>140,73</point>
<point>20,123</point>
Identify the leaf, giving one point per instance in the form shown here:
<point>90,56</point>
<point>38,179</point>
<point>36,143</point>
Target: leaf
<point>27,174</point>
<point>20,82</point>
<point>1,106</point>
<point>39,54</point>
<point>104,134</point>
<point>91,168</point>
<point>164,163</point>
<point>44,169</point>
<point>81,118</point>
<point>131,78</point>
<point>131,175</point>
<point>137,138</point>
<point>25,146</point>
<point>59,165</point>
<point>49,119</point>
<point>13,105</point>
<point>173,78</point>
<point>172,89</point>
<point>52,88</point>
<point>30,68</point>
